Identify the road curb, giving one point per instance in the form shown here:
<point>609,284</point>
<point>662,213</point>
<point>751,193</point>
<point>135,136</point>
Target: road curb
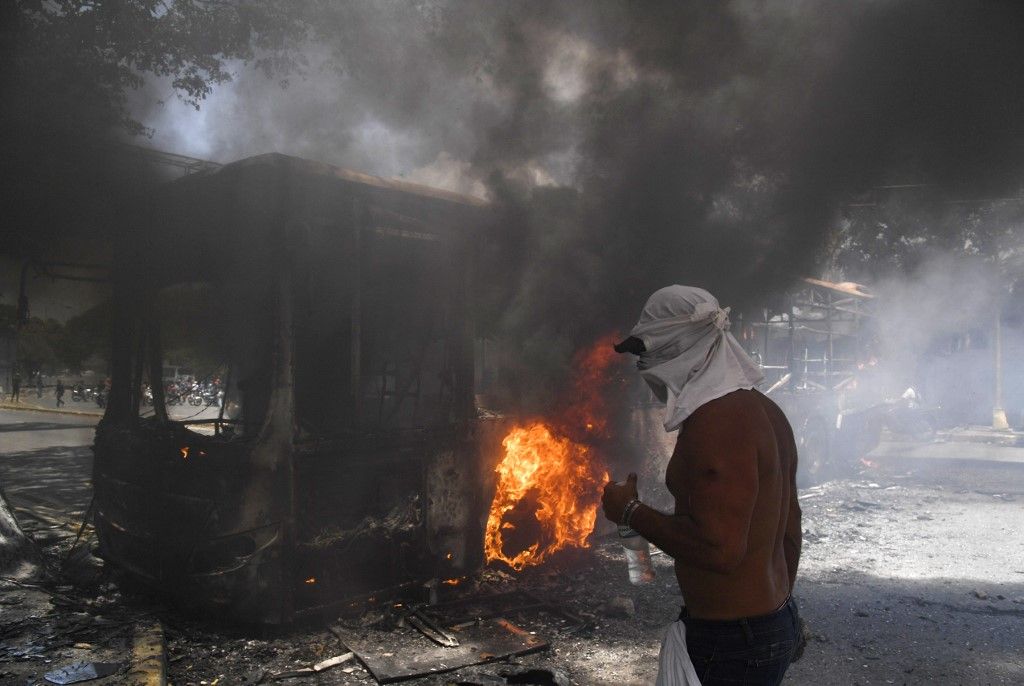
<point>51,410</point>
<point>149,661</point>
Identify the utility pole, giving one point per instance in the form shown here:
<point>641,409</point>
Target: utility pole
<point>999,421</point>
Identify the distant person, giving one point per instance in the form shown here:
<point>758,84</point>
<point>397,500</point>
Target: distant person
<point>39,385</point>
<point>15,387</point>
<point>735,532</point>
<point>58,391</point>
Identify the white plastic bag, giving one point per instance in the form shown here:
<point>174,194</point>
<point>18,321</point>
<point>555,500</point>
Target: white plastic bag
<point>674,665</point>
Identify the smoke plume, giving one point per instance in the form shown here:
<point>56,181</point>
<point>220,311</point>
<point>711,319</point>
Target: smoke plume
<point>627,146</point>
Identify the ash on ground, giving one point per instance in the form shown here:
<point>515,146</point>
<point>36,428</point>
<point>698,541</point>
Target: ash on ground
<point>912,573</point>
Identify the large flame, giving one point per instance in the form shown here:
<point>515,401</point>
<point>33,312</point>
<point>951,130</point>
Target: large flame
<point>549,480</point>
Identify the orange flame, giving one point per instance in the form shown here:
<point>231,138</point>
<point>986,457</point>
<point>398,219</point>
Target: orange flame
<point>184,453</point>
<point>452,582</point>
<point>589,398</point>
<point>549,481</point>
<point>311,580</point>
<point>560,481</point>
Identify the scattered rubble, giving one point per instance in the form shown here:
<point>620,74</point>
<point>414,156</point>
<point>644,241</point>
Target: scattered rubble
<point>887,595</point>
<point>619,607</point>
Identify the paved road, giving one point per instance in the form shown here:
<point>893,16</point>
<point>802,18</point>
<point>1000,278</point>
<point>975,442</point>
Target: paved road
<point>45,459</point>
<point>912,574</point>
<point>32,431</point>
<point>176,411</point>
<point>45,467</point>
<point>951,450</point>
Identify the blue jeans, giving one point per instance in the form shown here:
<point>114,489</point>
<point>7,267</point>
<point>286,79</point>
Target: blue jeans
<point>754,651</point>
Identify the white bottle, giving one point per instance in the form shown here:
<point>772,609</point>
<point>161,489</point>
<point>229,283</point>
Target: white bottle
<point>638,556</point>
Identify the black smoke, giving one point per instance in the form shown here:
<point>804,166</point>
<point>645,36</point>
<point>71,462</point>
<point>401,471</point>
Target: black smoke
<point>629,145</point>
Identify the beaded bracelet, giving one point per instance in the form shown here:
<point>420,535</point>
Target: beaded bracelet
<point>627,512</point>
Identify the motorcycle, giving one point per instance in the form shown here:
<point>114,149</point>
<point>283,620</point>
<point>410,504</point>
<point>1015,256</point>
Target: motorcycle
<point>212,397</point>
<point>172,396</point>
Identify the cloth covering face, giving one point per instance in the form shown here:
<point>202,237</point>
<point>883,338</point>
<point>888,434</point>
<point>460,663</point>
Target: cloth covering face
<point>691,358</point>
<point>675,668</point>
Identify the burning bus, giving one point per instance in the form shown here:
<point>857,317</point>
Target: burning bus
<point>347,454</point>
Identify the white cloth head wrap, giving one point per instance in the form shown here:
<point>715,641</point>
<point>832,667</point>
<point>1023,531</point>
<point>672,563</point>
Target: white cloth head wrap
<point>691,358</point>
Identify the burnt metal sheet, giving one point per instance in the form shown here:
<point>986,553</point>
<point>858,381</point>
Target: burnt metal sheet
<point>471,630</point>
<point>405,653</point>
<point>82,671</point>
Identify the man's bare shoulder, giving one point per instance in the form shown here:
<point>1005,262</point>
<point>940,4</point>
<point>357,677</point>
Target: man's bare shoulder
<point>731,420</point>
<point>731,407</point>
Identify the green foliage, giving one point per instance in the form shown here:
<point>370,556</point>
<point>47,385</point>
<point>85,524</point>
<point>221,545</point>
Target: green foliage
<point>896,234</point>
<point>195,332</point>
<point>73,62</point>
<point>39,341</point>
<point>68,70</point>
<point>87,335</point>
<point>8,316</point>
<point>51,346</point>
<point>195,327</point>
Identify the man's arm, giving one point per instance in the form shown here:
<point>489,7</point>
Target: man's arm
<point>719,468</point>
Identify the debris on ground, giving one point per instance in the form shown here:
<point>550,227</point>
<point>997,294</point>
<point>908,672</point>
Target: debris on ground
<point>903,573</point>
<point>82,671</point>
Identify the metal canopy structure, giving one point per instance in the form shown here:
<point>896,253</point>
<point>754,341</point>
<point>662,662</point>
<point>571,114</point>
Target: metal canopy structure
<point>812,345</point>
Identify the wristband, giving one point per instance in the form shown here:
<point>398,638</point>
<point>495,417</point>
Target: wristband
<point>632,511</point>
<point>627,512</point>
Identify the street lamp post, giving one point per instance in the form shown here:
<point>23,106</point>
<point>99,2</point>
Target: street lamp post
<point>999,421</point>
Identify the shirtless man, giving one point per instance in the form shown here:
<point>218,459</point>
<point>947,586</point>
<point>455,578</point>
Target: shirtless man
<point>735,533</point>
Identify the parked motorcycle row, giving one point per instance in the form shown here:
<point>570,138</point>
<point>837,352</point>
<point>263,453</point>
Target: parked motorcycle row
<point>185,391</point>
<point>81,393</point>
<point>188,392</point>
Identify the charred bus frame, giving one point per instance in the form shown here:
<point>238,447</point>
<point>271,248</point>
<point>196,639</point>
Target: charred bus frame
<point>347,455</point>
